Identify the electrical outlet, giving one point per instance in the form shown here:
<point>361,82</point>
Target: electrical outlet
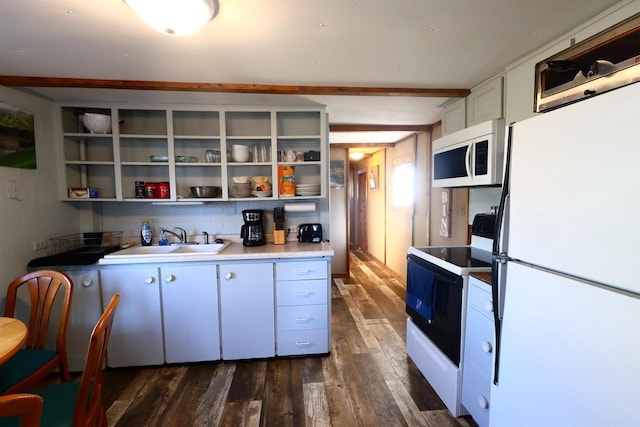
<point>39,245</point>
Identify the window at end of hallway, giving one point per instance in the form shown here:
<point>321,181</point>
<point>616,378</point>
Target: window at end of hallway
<point>402,192</point>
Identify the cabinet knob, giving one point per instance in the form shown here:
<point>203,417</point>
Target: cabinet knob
<point>86,282</point>
<point>488,306</point>
<point>149,280</point>
<point>228,276</point>
<point>487,347</point>
<point>169,278</point>
<point>483,402</point>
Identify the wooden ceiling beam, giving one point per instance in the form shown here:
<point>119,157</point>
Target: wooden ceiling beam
<point>362,145</point>
<point>229,87</point>
<point>338,127</point>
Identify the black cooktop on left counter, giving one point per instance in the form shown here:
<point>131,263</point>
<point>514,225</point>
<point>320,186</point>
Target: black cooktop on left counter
<point>83,256</point>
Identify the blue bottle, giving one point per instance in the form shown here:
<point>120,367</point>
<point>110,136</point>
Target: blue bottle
<point>146,235</point>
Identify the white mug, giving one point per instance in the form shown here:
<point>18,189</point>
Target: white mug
<point>290,156</point>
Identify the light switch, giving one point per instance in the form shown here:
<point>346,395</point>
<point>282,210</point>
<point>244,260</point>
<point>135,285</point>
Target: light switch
<point>12,189</point>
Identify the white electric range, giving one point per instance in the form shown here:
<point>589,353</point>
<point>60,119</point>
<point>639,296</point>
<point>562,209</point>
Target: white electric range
<point>437,281</point>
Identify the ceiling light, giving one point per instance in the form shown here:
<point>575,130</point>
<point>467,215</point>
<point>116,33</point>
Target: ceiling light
<point>358,155</point>
<point>174,17</point>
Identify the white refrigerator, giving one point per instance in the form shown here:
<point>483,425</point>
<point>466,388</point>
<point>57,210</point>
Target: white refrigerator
<point>567,268</point>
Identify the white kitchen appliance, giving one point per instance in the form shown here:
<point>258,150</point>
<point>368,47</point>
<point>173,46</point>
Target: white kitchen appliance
<point>437,282</point>
<point>469,157</point>
<point>566,281</point>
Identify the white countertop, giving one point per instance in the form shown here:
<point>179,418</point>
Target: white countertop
<point>235,252</point>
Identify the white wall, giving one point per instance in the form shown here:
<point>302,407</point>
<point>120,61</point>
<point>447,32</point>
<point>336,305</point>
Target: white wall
<point>37,215</point>
<point>339,224</point>
<point>399,227</point>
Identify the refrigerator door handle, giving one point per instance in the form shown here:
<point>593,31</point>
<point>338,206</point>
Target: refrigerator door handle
<point>497,320</point>
<point>499,258</point>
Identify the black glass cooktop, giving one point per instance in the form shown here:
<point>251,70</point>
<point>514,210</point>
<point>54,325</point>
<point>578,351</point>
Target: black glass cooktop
<point>462,256</point>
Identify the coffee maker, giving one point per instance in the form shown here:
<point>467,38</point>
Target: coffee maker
<point>252,232</point>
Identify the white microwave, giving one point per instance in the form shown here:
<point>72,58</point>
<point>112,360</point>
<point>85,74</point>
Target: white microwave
<point>470,157</point>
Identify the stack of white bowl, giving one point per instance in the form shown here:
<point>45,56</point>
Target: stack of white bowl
<point>241,190</point>
<point>240,153</point>
<point>241,186</point>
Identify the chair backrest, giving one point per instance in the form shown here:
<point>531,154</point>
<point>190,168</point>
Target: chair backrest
<point>43,286</point>
<point>89,409</point>
<point>24,405</point>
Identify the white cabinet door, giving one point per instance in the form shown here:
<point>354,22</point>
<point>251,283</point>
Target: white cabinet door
<point>85,312</point>
<point>454,116</point>
<point>190,312</point>
<point>136,337</point>
<point>484,103</point>
<point>247,312</point>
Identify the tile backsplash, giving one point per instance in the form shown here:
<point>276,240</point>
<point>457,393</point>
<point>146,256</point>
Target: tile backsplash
<point>219,218</point>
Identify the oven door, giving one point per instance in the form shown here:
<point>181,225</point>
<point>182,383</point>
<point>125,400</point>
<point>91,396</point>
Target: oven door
<point>434,303</point>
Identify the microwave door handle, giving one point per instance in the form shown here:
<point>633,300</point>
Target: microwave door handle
<point>467,160</point>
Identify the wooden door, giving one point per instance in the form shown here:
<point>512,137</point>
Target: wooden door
<point>361,211</point>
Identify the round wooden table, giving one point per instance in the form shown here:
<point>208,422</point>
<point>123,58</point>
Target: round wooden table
<point>13,333</point>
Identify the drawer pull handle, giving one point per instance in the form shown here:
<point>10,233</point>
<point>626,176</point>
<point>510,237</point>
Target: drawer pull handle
<point>483,402</point>
<point>488,306</point>
<point>300,272</point>
<point>487,347</point>
<point>86,282</point>
<point>169,278</point>
<point>303,293</point>
<point>302,318</point>
<point>303,343</point>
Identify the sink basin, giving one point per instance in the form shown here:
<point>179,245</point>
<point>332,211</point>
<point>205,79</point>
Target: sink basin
<point>212,248</point>
<point>167,251</point>
<point>142,250</point>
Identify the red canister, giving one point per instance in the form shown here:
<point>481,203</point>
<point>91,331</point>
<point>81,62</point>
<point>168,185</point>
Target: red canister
<point>150,190</point>
<point>163,190</point>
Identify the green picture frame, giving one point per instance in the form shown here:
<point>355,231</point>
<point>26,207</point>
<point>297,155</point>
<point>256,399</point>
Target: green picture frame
<point>17,137</point>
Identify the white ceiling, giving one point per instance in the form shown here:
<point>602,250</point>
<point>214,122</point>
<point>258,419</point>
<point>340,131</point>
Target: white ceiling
<point>357,43</point>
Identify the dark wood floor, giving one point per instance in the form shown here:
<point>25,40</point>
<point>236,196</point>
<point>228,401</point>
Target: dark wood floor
<point>366,380</point>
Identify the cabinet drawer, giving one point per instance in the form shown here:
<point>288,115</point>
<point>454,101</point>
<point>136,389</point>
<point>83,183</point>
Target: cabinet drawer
<point>301,270</point>
<point>313,341</point>
<point>301,292</point>
<point>292,318</point>
<point>480,297</point>
<point>476,393</point>
<point>479,340</point>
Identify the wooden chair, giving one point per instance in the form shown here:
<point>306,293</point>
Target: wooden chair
<point>22,409</point>
<point>80,403</point>
<point>34,363</point>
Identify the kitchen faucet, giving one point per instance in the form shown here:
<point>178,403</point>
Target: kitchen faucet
<point>182,236</point>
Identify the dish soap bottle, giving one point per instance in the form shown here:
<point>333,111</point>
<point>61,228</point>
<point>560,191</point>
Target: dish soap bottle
<point>162,240</point>
<point>146,234</point>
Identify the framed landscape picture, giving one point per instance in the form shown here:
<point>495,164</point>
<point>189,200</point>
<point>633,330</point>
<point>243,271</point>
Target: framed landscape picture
<point>17,138</point>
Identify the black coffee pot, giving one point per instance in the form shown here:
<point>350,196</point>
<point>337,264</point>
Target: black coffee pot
<point>252,232</point>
